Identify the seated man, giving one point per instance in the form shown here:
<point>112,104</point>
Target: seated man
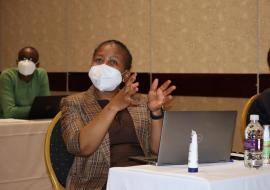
<point>261,105</point>
<point>19,86</point>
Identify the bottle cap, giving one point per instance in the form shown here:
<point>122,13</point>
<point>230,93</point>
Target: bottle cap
<point>193,170</point>
<point>254,117</point>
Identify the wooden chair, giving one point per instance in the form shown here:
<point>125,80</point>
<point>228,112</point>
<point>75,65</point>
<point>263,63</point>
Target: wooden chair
<point>58,160</point>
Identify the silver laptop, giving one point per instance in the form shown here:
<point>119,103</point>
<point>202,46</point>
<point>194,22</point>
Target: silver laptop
<point>215,136</point>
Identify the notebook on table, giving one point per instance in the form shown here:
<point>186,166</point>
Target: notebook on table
<point>215,131</point>
<point>45,107</point>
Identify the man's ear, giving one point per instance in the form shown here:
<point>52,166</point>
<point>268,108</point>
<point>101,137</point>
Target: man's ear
<point>126,76</point>
<point>37,64</point>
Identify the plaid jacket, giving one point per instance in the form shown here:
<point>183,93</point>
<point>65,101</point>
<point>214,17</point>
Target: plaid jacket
<point>91,172</point>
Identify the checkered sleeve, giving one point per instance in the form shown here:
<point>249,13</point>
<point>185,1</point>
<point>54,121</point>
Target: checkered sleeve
<point>71,124</point>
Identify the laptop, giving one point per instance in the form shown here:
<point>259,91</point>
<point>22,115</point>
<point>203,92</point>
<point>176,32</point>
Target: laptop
<point>45,107</point>
<point>214,129</point>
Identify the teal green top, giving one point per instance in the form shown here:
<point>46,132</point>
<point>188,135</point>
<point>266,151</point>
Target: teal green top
<point>16,95</point>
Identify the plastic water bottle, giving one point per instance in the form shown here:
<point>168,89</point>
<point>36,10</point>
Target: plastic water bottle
<point>253,143</point>
<point>266,145</point>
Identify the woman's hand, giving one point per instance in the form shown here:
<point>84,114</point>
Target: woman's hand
<point>157,96</point>
<point>124,97</point>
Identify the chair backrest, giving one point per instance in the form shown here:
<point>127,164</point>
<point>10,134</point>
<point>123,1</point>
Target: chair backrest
<point>245,114</point>
<point>57,158</point>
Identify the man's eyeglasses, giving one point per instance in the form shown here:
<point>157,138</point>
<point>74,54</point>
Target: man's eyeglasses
<point>28,58</point>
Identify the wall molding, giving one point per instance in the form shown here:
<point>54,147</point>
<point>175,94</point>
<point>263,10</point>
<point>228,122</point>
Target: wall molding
<point>188,84</point>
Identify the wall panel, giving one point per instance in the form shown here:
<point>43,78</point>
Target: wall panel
<point>214,36</point>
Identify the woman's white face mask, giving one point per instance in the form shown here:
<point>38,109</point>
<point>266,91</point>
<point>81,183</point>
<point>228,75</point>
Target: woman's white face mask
<point>26,67</point>
<point>104,77</point>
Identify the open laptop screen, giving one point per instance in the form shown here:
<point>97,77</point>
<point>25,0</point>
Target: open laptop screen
<point>45,107</point>
<point>215,136</point>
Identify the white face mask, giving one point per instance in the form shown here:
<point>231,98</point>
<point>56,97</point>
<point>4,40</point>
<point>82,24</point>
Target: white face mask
<point>26,67</point>
<point>104,77</point>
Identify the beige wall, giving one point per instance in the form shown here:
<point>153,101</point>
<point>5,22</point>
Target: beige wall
<point>207,36</point>
<point>187,36</point>
<point>173,36</point>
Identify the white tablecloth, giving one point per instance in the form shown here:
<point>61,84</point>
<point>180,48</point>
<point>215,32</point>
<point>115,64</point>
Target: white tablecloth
<point>226,176</point>
<point>22,163</point>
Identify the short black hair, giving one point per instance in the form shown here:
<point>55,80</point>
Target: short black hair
<point>28,52</point>
<point>268,58</point>
<point>128,56</point>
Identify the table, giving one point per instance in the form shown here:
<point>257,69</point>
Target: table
<point>225,176</point>
<point>22,163</point>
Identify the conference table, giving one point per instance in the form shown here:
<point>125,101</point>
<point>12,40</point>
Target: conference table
<point>219,176</point>
<point>22,163</point>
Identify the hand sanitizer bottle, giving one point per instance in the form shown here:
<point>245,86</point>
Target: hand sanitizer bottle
<point>193,153</point>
